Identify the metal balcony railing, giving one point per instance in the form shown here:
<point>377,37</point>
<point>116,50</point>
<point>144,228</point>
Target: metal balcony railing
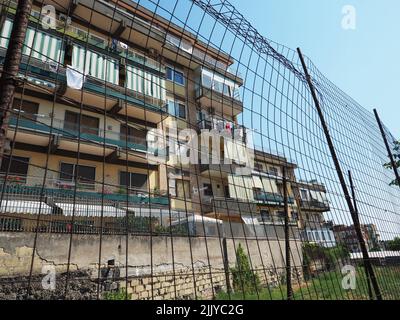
<point>62,128</point>
<point>16,187</point>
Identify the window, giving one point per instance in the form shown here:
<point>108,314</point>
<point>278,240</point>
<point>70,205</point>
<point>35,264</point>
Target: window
<point>18,167</point>
<point>180,43</point>
<point>207,81</point>
<point>304,194</point>
<point>258,166</point>
<point>183,189</point>
<point>177,109</point>
<point>281,215</point>
<point>265,216</point>
<point>208,189</point>
<point>85,175</point>
<point>133,180</point>
<point>273,171</point>
<point>227,194</point>
<point>133,135</point>
<point>88,125</point>
<point>175,76</point>
<point>28,109</point>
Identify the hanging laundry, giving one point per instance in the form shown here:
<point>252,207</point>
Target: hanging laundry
<point>75,79</point>
<point>228,127</point>
<point>123,45</point>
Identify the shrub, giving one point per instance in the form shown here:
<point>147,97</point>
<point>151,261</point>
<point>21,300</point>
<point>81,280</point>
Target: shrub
<point>117,295</point>
<point>243,278</point>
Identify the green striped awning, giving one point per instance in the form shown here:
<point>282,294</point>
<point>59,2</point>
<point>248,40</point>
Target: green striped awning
<point>5,34</point>
<point>145,82</point>
<point>38,44</point>
<point>95,64</point>
<point>42,46</point>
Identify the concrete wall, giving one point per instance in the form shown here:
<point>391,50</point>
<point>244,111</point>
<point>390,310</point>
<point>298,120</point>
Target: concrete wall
<point>189,257</point>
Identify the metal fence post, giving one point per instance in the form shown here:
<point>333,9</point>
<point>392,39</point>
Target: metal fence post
<point>390,154</point>
<point>341,178</point>
<point>289,290</point>
<point>226,266</point>
<point>358,226</point>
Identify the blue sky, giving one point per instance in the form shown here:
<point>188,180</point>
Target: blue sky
<point>363,62</point>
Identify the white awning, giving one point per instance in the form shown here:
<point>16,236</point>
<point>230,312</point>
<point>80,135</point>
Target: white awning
<point>270,185</point>
<point>251,221</point>
<point>21,206</point>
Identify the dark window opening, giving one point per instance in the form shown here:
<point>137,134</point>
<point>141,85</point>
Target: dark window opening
<point>208,189</point>
<point>89,125</point>
<point>29,109</point>
<point>132,180</point>
<point>85,175</point>
<point>133,135</point>
<point>17,170</point>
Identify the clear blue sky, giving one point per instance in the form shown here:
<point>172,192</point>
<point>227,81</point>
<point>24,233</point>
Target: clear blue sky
<point>363,62</point>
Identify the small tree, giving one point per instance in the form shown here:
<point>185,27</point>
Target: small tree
<point>396,156</point>
<point>394,244</point>
<point>243,278</point>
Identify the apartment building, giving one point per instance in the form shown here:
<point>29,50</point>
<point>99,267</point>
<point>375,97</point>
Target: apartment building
<point>251,204</point>
<point>313,203</point>
<point>97,79</point>
<point>347,236</point>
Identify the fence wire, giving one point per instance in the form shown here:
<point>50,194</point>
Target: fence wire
<point>167,150</point>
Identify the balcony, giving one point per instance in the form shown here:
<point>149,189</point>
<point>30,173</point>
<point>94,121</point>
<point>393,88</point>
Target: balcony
<point>271,198</point>
<point>28,188</point>
<point>218,94</point>
<point>276,220</point>
<point>45,69</point>
<point>66,136</point>
<point>238,132</point>
<point>64,27</point>
<point>220,103</point>
<point>315,205</point>
<point>228,207</point>
<point>186,51</point>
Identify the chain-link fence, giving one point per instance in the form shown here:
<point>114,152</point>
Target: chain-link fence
<point>167,150</point>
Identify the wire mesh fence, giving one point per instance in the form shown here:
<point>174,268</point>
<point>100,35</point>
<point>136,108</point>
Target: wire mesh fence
<point>167,150</point>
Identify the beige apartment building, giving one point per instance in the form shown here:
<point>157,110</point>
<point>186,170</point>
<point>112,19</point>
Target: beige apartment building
<point>137,72</point>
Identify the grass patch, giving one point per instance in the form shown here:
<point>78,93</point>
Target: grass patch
<point>328,286</point>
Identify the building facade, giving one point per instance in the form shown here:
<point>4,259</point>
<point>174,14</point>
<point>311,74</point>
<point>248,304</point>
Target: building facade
<point>313,203</point>
<point>347,236</point>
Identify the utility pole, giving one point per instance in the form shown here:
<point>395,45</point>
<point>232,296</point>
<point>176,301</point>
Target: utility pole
<point>11,68</point>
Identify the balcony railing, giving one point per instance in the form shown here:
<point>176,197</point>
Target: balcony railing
<point>276,220</point>
<point>87,134</point>
<point>29,188</point>
<point>315,204</point>
<point>267,197</point>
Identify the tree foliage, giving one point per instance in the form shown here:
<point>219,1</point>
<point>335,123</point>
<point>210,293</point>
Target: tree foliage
<point>243,278</point>
<point>330,257</point>
<point>396,156</point>
<point>394,244</point>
